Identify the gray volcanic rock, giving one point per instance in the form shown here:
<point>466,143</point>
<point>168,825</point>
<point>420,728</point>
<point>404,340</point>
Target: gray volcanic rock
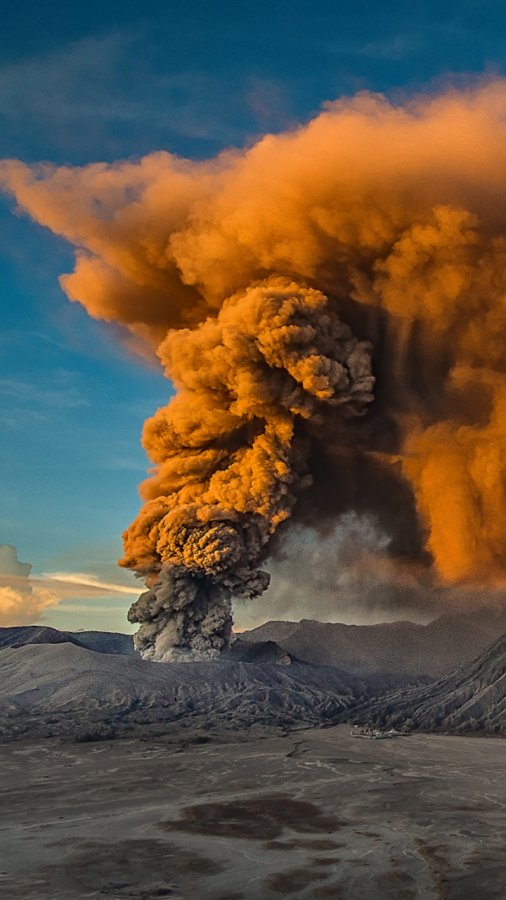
<point>471,699</point>
<point>402,647</point>
<point>66,690</point>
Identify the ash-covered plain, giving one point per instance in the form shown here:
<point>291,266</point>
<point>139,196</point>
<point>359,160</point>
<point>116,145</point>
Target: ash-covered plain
<point>305,815</point>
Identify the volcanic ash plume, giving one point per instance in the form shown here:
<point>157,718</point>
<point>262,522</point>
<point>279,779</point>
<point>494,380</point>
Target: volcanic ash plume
<point>261,279</point>
<point>231,455</point>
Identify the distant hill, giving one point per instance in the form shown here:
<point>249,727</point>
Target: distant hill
<point>105,642</point>
<point>100,641</point>
<point>402,647</point>
<point>67,690</point>
<point>471,699</point>
<point>33,634</point>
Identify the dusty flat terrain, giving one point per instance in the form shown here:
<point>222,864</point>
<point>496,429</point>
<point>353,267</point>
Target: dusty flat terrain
<point>313,814</point>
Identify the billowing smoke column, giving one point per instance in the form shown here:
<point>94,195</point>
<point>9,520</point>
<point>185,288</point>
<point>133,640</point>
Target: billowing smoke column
<point>266,280</point>
<point>230,463</point>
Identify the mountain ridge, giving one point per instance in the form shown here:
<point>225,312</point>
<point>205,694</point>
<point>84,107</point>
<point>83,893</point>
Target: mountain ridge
<point>102,641</point>
<point>434,649</point>
<point>472,699</point>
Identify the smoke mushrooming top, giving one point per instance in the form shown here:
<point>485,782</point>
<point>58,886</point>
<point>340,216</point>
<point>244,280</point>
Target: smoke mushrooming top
<point>230,455</point>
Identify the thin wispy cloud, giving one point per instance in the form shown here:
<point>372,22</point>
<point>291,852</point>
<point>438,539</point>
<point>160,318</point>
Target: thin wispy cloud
<point>96,609</point>
<point>81,582</point>
<point>25,403</point>
<point>29,392</point>
<point>97,91</point>
<point>25,600</point>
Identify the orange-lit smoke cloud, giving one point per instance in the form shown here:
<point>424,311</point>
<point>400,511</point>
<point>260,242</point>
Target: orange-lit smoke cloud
<point>390,218</point>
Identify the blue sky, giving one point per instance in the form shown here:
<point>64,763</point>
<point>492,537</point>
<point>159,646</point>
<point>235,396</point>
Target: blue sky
<point>106,80</point>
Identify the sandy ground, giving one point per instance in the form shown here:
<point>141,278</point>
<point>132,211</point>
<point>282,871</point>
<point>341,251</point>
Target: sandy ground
<point>313,814</point>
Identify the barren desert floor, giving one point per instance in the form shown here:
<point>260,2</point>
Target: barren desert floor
<point>312,814</point>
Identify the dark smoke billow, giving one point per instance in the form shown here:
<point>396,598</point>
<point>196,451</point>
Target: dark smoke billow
<point>272,283</point>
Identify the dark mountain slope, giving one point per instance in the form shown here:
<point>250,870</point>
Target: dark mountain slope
<point>404,647</point>
<point>34,634</point>
<point>471,699</point>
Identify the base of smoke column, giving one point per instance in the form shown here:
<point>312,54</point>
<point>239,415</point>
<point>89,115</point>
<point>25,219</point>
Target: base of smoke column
<point>159,646</point>
<point>182,620</point>
<point>178,655</point>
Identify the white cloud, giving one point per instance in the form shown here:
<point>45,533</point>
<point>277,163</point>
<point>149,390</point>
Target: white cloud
<point>25,599</point>
<point>21,602</point>
<point>24,607</point>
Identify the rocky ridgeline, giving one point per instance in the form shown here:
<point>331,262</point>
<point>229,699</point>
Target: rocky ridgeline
<point>470,700</point>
